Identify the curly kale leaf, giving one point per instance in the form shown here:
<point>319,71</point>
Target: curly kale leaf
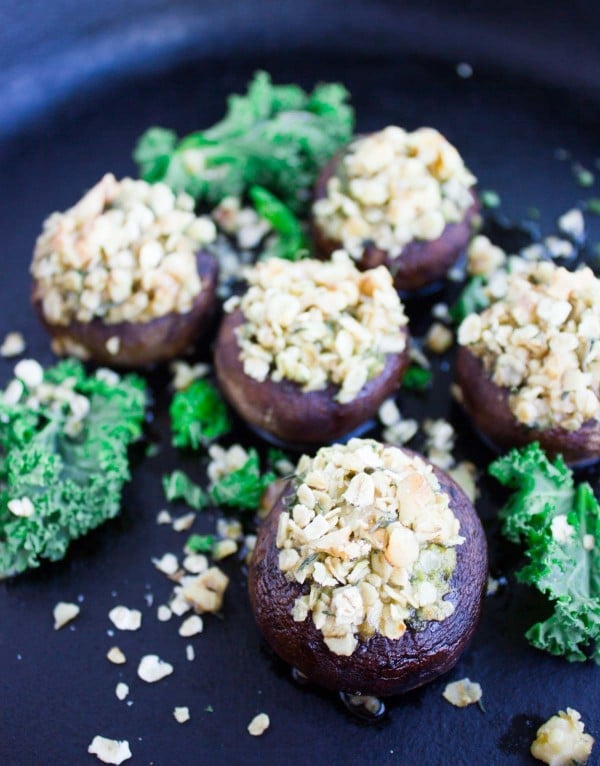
<point>198,415</point>
<point>244,487</point>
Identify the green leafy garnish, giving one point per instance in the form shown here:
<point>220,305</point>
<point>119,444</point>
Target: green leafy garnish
<point>200,543</point>
<point>593,205</point>
<point>198,415</point>
<point>73,474</point>
<point>583,176</point>
<point>276,136</point>
<point>558,522</point>
<point>288,241</point>
<point>244,487</point>
<point>490,198</point>
<point>179,486</point>
<point>471,300</point>
<point>416,378</point>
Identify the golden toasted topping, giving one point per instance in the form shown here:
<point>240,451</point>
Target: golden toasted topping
<point>541,340</point>
<point>561,741</point>
<point>372,533</point>
<point>393,187</point>
<point>462,693</point>
<point>126,252</point>
<point>317,323</point>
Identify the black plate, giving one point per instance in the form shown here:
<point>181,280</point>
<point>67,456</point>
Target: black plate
<point>57,688</point>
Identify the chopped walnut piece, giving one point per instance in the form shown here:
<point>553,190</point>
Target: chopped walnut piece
<point>116,656</point>
<point>63,613</point>
<point>462,693</point>
<point>167,564</point>
<point>562,740</point>
<point>191,626</point>
<point>395,186</point>
<point>121,690</point>
<point>317,323</point>
<point>12,345</point>
<point>125,619</point>
<point>181,714</point>
<point>224,548</point>
<point>205,592</point>
<point>183,523</point>
<point>259,724</point>
<point>439,339</point>
<point>112,751</point>
<point>152,668</point>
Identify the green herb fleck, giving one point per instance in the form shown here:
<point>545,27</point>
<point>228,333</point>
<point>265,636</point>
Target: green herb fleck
<point>288,241</point>
<point>583,176</point>
<point>178,486</point>
<point>244,487</point>
<point>198,415</point>
<point>416,378</point>
<point>564,567</point>
<point>593,205</point>
<point>490,198</point>
<point>471,300</point>
<point>277,136</point>
<point>209,709</point>
<point>200,543</point>
<point>74,480</point>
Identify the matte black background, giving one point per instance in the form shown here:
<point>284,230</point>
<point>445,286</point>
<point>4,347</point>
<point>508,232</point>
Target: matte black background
<point>77,85</point>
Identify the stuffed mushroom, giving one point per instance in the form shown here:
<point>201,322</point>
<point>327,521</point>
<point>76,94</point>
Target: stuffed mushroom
<point>122,277</point>
<point>312,349</point>
<point>528,366</point>
<point>369,572</point>
<point>403,199</point>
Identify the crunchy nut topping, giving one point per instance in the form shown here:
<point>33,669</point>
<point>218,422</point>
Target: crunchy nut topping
<point>152,668</point>
<point>393,187</point>
<point>205,592</point>
<point>164,517</point>
<point>116,656</point>
<point>121,690</point>
<point>29,372</point>
<point>181,714</point>
<point>224,461</point>
<point>12,345</point>
<point>21,506</point>
<point>191,626</point>
<point>125,619</point>
<point>462,693</point>
<point>541,340</point>
<point>483,257</point>
<point>572,224</point>
<point>372,534</point>
<point>185,374</point>
<point>63,613</point>
<point>224,548</point>
<point>195,563</point>
<point>561,740</point>
<point>163,613</point>
<point>439,339</point>
<point>259,724</point>
<point>190,653</point>
<point>111,751</point>
<point>125,252</point>
<point>183,523</point>
<point>319,322</point>
<point>167,564</point>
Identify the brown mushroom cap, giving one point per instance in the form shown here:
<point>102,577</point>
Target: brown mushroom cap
<point>282,410</point>
<point>421,262</point>
<point>488,406</point>
<point>379,665</point>
<point>142,343</point>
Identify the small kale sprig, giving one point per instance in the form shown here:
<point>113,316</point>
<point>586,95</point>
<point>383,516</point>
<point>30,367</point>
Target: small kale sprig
<point>558,522</point>
<point>198,415</point>
<point>287,240</point>
<point>276,136</point>
<point>244,487</point>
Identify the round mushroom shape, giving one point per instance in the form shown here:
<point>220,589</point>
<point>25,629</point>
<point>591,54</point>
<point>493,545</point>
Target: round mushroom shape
<point>282,411</point>
<point>487,404</point>
<point>379,665</point>
<point>422,263</point>
<point>138,344</point>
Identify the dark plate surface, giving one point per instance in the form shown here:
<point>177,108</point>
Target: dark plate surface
<point>57,688</point>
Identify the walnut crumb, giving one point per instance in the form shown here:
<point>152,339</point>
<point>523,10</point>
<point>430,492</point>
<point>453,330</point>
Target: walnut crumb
<point>125,619</point>
<point>63,613</point>
<point>259,724</point>
<point>112,751</point>
<point>12,345</point>
<point>152,669</point>
<point>116,656</point>
<point>462,693</point>
<point>562,740</point>
<point>181,714</point>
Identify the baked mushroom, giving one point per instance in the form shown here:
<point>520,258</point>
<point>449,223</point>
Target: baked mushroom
<point>528,366</point>
<point>369,572</point>
<point>312,348</point>
<point>398,198</point>
<point>122,277</point>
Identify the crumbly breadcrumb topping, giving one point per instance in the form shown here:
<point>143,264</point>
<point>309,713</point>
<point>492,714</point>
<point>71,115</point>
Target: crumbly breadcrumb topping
<point>126,252</point>
<point>393,187</point>
<point>562,740</point>
<point>370,534</point>
<point>541,340</point>
<point>317,323</point>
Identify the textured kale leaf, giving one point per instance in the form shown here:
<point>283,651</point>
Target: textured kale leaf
<point>200,543</point>
<point>416,378</point>
<point>198,415</point>
<point>288,241</point>
<point>276,136</point>
<point>558,522</point>
<point>472,300</point>
<point>244,487</point>
<point>73,478</point>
